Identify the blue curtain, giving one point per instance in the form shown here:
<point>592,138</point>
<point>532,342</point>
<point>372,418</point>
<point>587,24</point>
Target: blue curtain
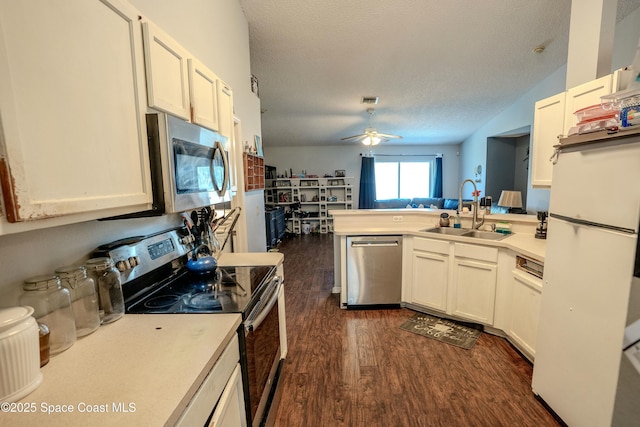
<point>367,183</point>
<point>436,189</point>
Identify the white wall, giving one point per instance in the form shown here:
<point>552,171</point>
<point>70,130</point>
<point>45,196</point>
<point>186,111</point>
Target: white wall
<point>320,160</point>
<point>216,32</point>
<point>520,114</point>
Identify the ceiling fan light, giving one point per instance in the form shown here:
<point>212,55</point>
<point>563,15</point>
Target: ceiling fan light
<point>375,140</point>
<point>367,140</point>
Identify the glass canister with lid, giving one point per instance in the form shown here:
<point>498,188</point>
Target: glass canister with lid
<point>52,306</point>
<point>108,286</point>
<point>84,300</point>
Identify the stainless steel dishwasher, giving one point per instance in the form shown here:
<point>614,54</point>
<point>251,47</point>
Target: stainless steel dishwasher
<point>374,270</point>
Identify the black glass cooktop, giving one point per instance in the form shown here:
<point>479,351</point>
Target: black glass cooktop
<point>228,290</point>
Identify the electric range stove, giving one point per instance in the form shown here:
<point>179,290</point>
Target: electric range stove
<point>155,279</point>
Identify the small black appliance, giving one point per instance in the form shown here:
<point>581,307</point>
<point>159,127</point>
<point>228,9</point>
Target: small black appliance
<point>541,230</point>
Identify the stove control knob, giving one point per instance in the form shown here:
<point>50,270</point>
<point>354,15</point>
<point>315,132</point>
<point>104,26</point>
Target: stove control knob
<point>122,265</point>
<point>133,261</point>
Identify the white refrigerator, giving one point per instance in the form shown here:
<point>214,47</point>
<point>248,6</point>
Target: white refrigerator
<point>589,262</point>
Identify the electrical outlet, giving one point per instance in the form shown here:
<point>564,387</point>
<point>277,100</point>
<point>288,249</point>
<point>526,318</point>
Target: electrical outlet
<point>397,218</point>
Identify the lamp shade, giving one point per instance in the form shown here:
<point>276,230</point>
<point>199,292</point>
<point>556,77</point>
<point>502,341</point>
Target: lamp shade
<point>510,199</point>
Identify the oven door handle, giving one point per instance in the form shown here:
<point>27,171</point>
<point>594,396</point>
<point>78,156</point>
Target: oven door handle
<point>261,311</point>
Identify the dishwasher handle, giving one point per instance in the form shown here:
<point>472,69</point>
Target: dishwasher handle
<point>376,243</point>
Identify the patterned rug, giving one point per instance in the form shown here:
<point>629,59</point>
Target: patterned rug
<point>459,334</point>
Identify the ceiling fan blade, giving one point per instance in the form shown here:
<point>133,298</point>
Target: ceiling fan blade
<point>361,136</point>
<point>371,134</point>
<point>387,135</point>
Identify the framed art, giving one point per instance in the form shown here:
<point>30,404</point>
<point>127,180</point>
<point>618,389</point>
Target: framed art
<point>340,173</point>
<point>258,145</point>
<point>254,85</point>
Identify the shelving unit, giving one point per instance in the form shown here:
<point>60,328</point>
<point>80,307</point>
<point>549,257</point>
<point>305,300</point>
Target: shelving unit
<point>316,197</point>
<point>253,172</point>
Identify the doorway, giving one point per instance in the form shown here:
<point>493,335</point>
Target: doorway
<point>507,165</point>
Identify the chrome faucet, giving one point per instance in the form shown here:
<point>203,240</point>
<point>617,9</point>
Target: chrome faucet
<point>476,206</point>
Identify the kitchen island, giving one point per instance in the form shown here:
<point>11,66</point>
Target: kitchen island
<point>471,279</point>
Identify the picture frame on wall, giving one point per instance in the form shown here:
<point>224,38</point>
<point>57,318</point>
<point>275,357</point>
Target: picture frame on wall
<point>254,85</point>
<point>258,145</point>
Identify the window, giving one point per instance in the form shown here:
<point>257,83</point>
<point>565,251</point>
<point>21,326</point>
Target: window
<point>405,177</point>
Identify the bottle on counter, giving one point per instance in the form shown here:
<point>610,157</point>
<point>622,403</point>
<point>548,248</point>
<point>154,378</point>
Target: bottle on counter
<point>108,286</point>
<point>84,301</point>
<point>43,333</point>
<point>52,306</point>
<point>456,221</point>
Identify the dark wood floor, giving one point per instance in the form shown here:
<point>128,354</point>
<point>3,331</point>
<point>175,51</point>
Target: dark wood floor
<point>357,368</point>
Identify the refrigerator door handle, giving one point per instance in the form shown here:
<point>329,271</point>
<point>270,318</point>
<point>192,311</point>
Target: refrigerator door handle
<point>592,224</point>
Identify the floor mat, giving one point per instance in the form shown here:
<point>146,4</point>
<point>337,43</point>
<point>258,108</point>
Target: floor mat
<point>451,332</point>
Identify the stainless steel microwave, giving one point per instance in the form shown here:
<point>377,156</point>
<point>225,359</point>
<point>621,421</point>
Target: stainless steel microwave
<point>189,165</point>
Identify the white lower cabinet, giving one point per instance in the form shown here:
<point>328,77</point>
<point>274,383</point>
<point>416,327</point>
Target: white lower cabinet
<point>220,395</point>
<point>475,283</point>
<point>230,409</point>
<point>473,286</point>
<point>430,273</point>
<point>525,305</point>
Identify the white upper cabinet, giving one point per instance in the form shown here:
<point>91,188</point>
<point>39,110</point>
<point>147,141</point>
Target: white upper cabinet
<point>167,72</point>
<point>548,125</point>
<point>555,116</point>
<point>72,102</point>
<point>204,95</point>
<point>582,96</point>
<point>225,109</point>
<point>177,82</point>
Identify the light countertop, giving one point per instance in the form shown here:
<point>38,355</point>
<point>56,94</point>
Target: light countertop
<point>243,259</point>
<point>523,243</point>
<point>149,365</point>
<point>412,221</point>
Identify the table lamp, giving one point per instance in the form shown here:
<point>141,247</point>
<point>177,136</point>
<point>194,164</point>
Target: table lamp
<point>512,200</point>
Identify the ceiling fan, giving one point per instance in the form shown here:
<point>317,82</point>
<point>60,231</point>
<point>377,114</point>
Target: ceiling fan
<point>371,136</point>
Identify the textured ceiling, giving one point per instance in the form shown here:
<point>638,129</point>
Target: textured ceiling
<point>441,68</point>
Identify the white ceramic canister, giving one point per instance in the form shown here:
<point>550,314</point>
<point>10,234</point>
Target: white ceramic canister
<point>19,353</point>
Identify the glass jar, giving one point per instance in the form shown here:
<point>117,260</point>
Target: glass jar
<point>107,280</point>
<point>52,306</point>
<point>84,301</point>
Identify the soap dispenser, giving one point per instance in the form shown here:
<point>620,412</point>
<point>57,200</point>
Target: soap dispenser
<point>456,221</point>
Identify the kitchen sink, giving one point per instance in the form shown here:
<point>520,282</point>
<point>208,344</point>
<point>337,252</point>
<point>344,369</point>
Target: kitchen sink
<point>447,230</point>
<point>465,232</point>
<point>489,235</point>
